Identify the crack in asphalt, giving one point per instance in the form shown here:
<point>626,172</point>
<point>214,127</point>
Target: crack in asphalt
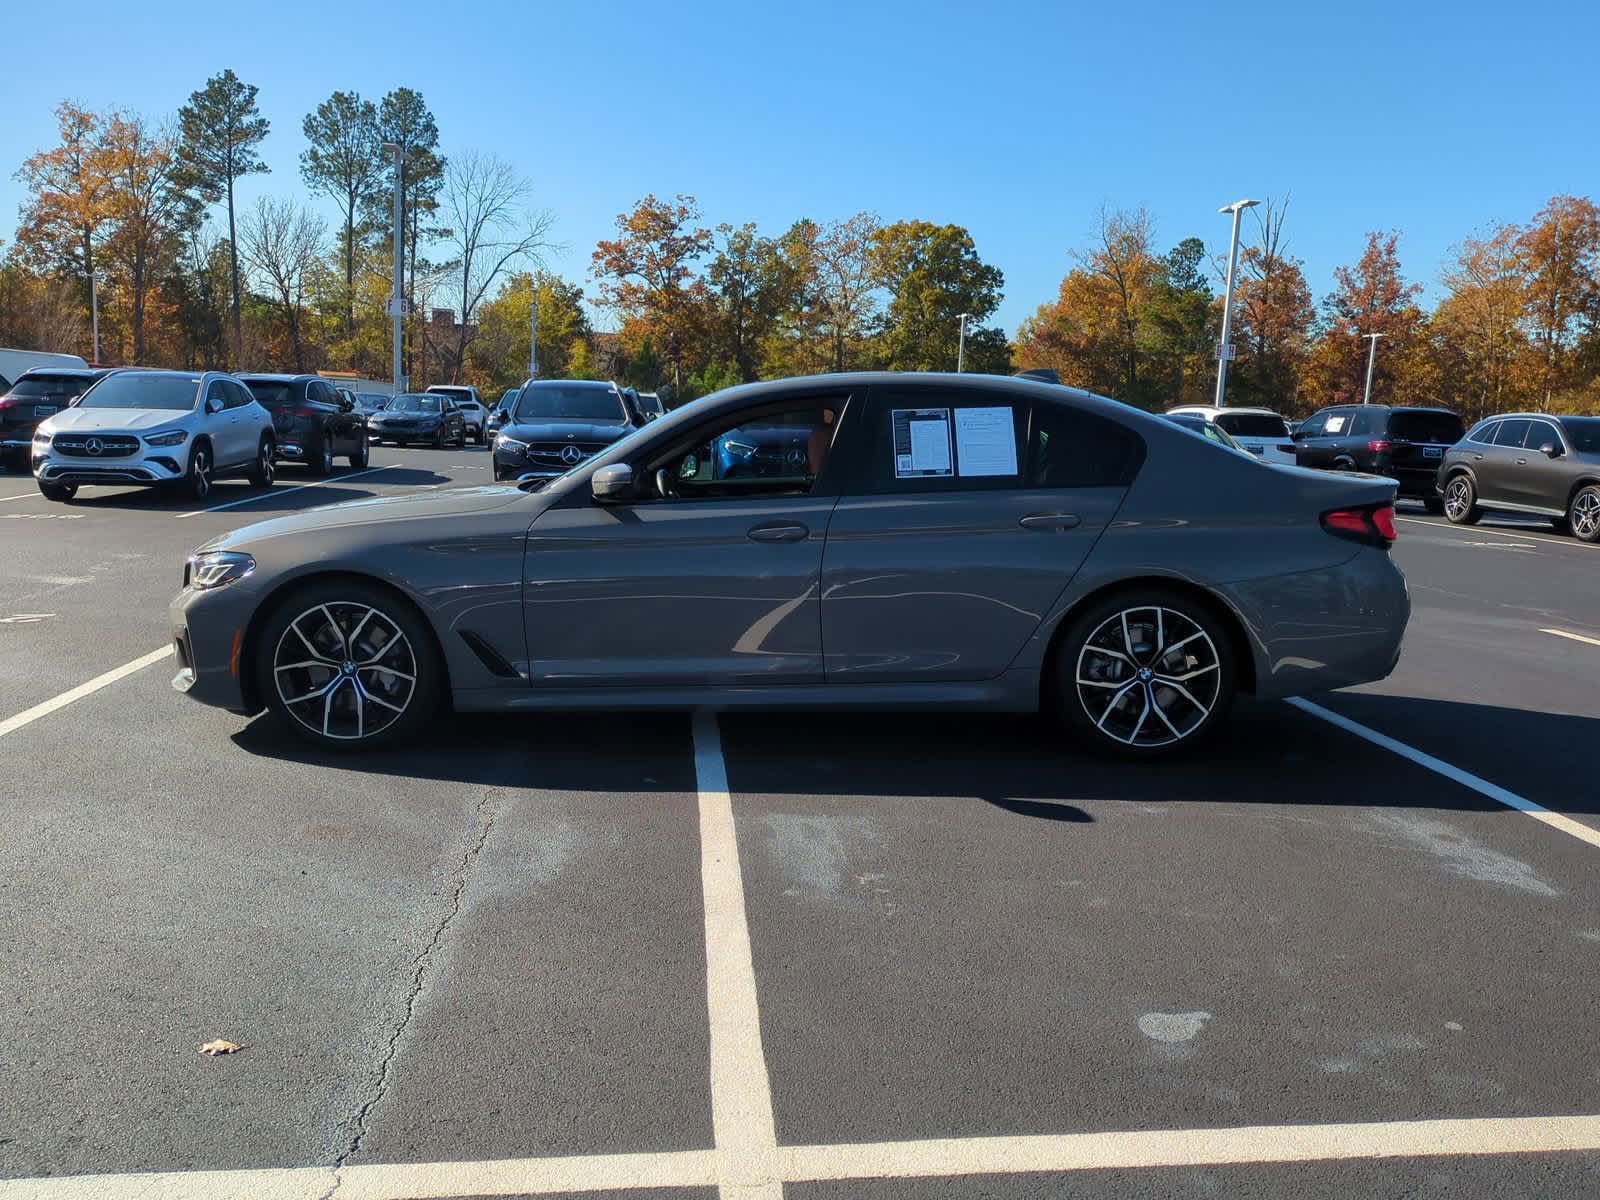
<point>419,977</point>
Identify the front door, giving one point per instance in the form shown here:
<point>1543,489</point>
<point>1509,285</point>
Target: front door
<point>707,575</point>
<point>964,521</point>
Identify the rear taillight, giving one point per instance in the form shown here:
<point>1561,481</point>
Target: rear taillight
<point>1373,525</point>
<point>1379,445</point>
<point>8,402</point>
<point>1286,447</point>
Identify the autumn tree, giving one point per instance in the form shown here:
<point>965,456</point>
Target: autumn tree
<point>1370,296</point>
<point>220,129</point>
<point>1559,254</point>
<point>68,208</point>
<point>1478,325</point>
<point>932,274</point>
<point>491,227</point>
<point>647,273</point>
<point>753,284</point>
<point>499,356</point>
<point>343,161</point>
<point>283,243</point>
<point>1274,314</point>
<point>842,290</point>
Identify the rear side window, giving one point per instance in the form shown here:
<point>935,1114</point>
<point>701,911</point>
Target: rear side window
<point>1313,425</point>
<point>1483,433</point>
<point>1252,425</point>
<point>1440,427</point>
<point>1070,448</point>
<point>1338,422</point>
<point>1511,432</point>
<point>271,393</point>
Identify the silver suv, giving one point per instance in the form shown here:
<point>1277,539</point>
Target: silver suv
<point>137,427</point>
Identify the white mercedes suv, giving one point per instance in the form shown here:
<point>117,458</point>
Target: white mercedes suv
<point>138,427</point>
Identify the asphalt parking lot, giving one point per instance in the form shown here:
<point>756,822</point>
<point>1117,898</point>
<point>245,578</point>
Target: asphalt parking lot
<point>817,957</point>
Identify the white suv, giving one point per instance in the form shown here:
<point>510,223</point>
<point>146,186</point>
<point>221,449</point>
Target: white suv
<point>472,409</point>
<point>155,427</point>
<point>1261,431</point>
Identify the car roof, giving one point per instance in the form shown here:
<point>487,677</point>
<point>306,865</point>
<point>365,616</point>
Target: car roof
<point>278,377</point>
<point>65,372</point>
<point>1211,410</point>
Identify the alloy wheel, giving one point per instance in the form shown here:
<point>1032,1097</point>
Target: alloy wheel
<point>345,670</point>
<point>1586,515</point>
<point>200,473</point>
<point>1148,677</point>
<point>1458,498</point>
<point>268,465</point>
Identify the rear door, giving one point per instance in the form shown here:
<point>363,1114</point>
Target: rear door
<point>1496,472</point>
<point>967,514</point>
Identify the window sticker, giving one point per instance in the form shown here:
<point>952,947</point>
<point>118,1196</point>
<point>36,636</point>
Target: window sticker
<point>986,441</point>
<point>921,442</point>
<point>1335,424</point>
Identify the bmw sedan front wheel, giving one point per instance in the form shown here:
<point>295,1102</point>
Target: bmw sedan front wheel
<point>348,665</point>
<point>1145,674</point>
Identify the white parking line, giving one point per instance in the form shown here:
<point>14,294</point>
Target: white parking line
<point>1473,530</point>
<point>935,1157</point>
<point>29,715</point>
<point>1483,787</point>
<point>1577,637</point>
<point>33,495</point>
<point>274,493</point>
<point>741,1094</point>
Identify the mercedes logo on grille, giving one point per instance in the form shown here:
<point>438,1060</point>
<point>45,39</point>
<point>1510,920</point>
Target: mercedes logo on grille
<point>571,455</point>
<point>796,456</point>
<point>94,446</point>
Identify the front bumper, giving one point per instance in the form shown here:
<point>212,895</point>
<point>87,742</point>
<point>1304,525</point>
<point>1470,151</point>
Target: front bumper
<point>208,630</point>
<point>146,470</point>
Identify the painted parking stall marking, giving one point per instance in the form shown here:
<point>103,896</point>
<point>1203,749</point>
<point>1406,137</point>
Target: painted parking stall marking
<point>29,715</point>
<point>274,493</point>
<point>1483,787</point>
<point>1576,637</point>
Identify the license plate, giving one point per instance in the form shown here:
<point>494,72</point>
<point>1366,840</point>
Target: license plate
<point>1433,452</point>
<point>1256,449</point>
<point>46,410</point>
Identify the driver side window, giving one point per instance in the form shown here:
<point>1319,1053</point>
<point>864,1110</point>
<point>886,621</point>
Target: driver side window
<point>775,453</point>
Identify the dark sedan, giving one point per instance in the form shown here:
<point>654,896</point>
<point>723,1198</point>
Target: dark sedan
<point>313,423</point>
<point>559,423</point>
<point>36,395</point>
<point>1530,463</point>
<point>428,417</point>
<point>952,541</point>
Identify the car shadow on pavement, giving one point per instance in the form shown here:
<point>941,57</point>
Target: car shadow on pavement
<point>1270,753</point>
<point>287,494</point>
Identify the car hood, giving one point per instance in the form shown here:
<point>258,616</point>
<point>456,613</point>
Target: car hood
<point>87,420</point>
<point>560,431</point>
<point>383,414</point>
<point>451,502</point>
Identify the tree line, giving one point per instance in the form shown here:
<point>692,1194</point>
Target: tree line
<point>141,216</point>
<point>1516,326</point>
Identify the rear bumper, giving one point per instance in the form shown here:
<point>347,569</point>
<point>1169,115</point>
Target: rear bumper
<point>1415,482</point>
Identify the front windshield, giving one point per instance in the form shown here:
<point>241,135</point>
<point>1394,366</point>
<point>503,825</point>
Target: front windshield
<point>413,404</point>
<point>565,402</point>
<point>1584,432</point>
<point>138,389</point>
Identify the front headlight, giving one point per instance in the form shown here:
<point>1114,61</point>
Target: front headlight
<point>172,437</point>
<point>214,568</point>
<point>742,449</point>
<point>502,442</point>
<point>41,440</point>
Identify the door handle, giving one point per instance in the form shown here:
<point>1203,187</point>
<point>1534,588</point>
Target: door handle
<point>1477,458</point>
<point>1522,462</point>
<point>778,531</point>
<point>1050,521</point>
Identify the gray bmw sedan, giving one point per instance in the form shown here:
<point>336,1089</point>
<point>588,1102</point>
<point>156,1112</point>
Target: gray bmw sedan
<point>868,540</point>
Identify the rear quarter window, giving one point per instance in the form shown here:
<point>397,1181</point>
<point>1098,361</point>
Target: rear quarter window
<point>1252,425</point>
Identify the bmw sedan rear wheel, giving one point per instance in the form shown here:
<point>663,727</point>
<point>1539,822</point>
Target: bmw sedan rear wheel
<point>347,665</point>
<point>1145,674</point>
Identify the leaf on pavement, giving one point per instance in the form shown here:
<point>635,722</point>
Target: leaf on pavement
<point>220,1046</point>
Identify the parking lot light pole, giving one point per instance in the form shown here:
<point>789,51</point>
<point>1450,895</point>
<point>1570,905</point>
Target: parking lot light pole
<point>1236,208</point>
<point>399,253</point>
<point>1372,353</point>
<point>961,344</point>
<point>533,329</point>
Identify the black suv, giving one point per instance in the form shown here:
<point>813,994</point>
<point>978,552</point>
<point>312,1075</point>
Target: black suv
<point>1527,463</point>
<point>312,421</point>
<point>557,423</point>
<point>37,394</point>
<point>1406,444</point>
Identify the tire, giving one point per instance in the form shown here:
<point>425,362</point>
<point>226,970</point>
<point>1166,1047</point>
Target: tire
<point>265,467</point>
<point>438,439</point>
<point>323,463</point>
<point>336,698</point>
<point>1461,501</point>
<point>359,456</point>
<point>1561,524</point>
<point>1434,508</point>
<point>1121,693</point>
<point>197,477</point>
<point>58,492</point>
<point>1584,514</point>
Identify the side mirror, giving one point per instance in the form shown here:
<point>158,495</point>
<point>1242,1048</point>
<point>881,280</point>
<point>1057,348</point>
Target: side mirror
<point>612,483</point>
<point>213,404</point>
<point>1550,450</point>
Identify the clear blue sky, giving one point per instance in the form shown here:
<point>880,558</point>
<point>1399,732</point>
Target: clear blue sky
<point>1015,120</point>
